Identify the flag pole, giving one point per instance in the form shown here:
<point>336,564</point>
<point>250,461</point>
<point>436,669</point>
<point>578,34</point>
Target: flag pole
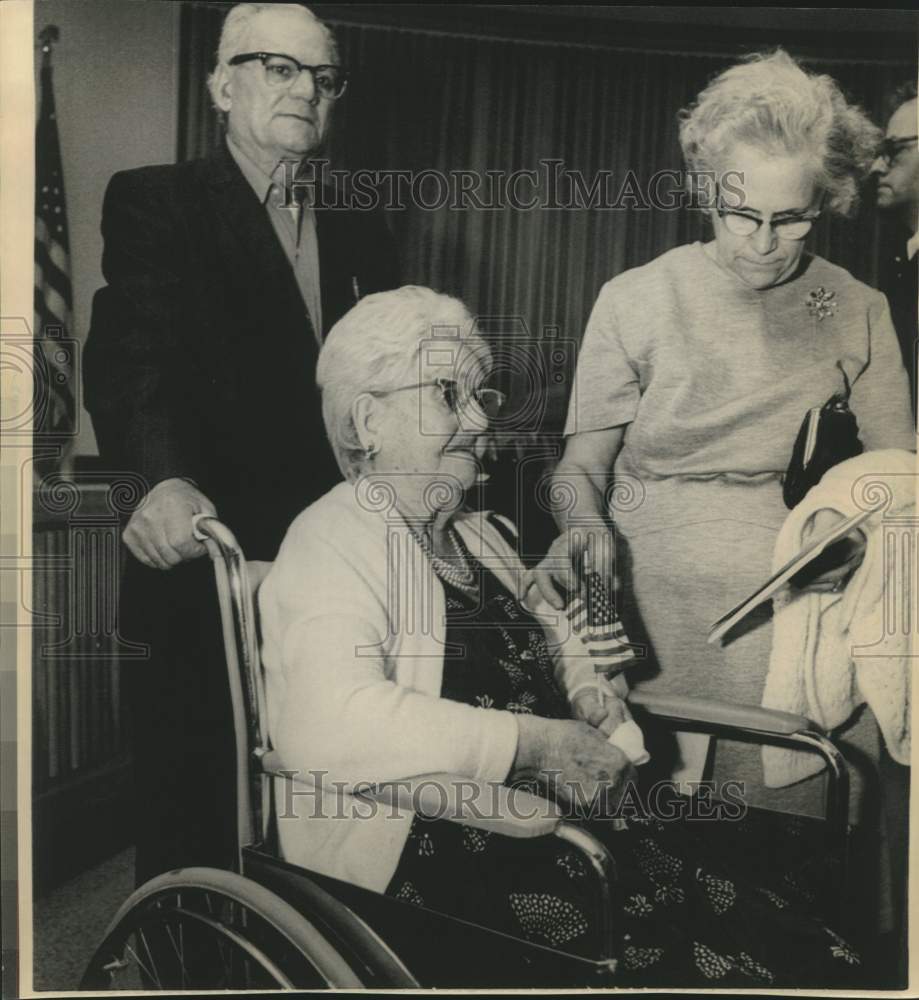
<point>55,417</point>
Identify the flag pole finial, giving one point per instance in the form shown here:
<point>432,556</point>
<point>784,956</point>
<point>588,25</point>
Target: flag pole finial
<point>47,37</point>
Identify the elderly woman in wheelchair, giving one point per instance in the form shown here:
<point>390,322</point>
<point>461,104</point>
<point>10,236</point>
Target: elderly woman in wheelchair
<point>394,645</point>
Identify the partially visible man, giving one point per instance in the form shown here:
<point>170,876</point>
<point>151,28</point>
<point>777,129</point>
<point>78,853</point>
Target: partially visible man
<point>199,376</point>
<point>897,172</point>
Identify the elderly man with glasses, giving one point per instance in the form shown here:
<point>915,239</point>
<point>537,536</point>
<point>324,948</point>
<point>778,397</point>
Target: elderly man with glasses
<point>221,281</point>
<point>896,170</point>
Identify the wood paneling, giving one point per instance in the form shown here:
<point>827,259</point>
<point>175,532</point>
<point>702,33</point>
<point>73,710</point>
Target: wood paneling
<point>80,747</point>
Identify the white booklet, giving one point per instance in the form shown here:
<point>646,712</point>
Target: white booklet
<point>778,579</point>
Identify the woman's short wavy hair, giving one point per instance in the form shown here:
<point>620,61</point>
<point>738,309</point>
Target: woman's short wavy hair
<point>769,102</point>
<point>375,347</point>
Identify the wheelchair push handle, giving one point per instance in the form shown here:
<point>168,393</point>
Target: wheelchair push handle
<point>201,530</point>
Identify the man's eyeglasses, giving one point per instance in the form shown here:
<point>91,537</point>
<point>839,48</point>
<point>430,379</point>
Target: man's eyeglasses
<point>891,147</point>
<point>488,400</point>
<point>281,71</point>
<point>789,227</point>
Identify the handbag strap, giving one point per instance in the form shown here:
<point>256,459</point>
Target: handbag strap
<point>845,379</point>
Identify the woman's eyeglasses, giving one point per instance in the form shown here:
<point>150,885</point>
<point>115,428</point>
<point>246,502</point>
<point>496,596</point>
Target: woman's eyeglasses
<point>790,227</point>
<point>488,400</point>
<point>891,147</point>
<point>281,71</point>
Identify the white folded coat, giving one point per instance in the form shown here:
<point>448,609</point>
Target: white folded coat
<point>833,652</point>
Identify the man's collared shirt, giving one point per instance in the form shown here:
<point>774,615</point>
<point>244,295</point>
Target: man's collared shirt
<point>295,227</point>
<point>912,246</point>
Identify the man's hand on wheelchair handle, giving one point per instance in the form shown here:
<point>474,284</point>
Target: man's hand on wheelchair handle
<point>571,755</point>
<point>159,533</point>
<point>573,552</point>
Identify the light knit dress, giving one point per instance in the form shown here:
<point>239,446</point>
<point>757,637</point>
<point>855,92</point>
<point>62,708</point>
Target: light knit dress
<point>712,379</point>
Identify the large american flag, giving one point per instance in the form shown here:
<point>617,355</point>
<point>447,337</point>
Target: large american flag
<point>54,399</point>
<point>594,620</point>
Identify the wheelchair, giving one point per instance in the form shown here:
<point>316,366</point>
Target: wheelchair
<point>271,925</point>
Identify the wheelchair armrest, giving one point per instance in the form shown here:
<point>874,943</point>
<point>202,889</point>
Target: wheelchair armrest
<point>773,726</point>
<point>483,806</point>
<point>723,714</point>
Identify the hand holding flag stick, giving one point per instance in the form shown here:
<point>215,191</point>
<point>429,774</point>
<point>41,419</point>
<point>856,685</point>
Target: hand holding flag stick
<point>593,619</point>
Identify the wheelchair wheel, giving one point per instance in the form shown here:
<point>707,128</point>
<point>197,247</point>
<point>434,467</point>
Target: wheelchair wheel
<point>201,928</point>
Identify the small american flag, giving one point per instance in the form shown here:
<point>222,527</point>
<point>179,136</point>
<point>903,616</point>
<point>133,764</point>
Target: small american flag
<point>53,296</point>
<point>593,619</point>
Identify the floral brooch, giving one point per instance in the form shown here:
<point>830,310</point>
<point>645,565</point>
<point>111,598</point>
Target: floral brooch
<point>821,303</point>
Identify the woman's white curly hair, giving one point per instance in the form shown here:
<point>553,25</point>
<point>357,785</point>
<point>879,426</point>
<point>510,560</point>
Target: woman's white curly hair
<point>376,347</point>
<point>769,102</point>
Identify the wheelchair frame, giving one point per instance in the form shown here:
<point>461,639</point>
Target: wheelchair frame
<point>348,936</point>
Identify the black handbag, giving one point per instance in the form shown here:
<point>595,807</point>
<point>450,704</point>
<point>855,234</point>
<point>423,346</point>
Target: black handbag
<point>828,436</point>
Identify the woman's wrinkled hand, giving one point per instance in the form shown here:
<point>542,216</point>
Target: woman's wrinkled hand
<point>606,715</point>
<point>575,761</point>
<point>575,551</point>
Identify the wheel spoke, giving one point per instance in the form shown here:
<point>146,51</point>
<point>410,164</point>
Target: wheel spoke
<point>231,921</point>
<point>180,955</point>
<point>224,950</point>
<point>181,927</point>
<point>155,974</point>
<point>141,965</point>
<point>194,935</point>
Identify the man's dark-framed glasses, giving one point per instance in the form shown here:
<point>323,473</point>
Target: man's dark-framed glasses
<point>891,147</point>
<point>282,71</point>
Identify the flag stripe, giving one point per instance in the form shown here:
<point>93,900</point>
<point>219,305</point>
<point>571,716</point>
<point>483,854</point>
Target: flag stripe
<point>52,249</point>
<point>593,619</point>
<point>53,290</point>
<point>53,308</point>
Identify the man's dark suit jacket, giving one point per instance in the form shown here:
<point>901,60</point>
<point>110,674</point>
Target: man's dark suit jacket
<point>200,363</point>
<point>898,281</point>
<point>200,359</point>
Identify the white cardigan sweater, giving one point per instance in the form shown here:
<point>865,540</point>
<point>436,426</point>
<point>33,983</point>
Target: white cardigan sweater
<point>353,624</point>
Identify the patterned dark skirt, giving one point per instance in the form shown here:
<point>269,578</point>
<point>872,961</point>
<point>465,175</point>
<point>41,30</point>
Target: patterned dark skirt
<point>683,912</point>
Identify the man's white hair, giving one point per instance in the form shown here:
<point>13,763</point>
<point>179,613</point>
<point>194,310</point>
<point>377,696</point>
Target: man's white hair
<point>771,103</point>
<point>376,347</point>
<point>236,28</point>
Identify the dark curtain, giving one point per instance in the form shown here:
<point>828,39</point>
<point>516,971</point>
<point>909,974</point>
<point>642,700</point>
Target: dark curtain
<point>425,100</point>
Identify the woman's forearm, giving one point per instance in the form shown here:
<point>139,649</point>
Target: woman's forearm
<point>578,488</point>
<point>585,487</point>
<point>582,475</point>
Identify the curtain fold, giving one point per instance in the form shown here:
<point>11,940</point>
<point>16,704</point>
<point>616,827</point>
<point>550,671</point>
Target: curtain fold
<point>422,101</point>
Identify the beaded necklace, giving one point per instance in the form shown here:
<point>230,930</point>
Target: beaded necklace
<point>463,576</point>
